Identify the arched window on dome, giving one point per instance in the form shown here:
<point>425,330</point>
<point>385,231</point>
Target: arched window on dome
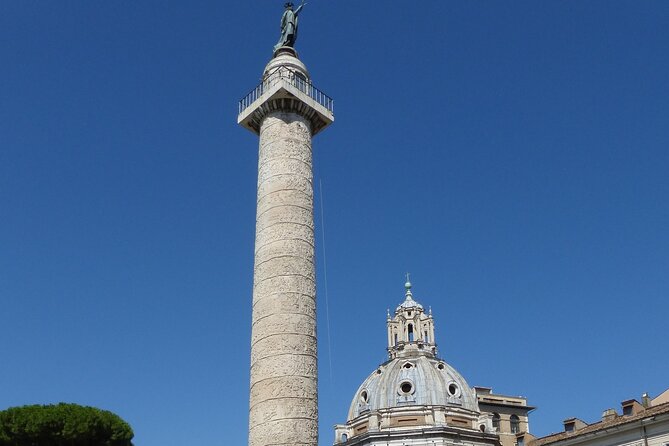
<point>495,421</point>
<point>426,338</point>
<point>410,330</point>
<point>515,424</point>
<point>344,437</point>
<point>395,338</point>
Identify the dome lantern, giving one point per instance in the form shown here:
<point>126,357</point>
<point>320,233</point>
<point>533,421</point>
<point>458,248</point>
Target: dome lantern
<point>410,330</point>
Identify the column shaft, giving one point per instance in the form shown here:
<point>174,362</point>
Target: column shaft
<point>283,401</point>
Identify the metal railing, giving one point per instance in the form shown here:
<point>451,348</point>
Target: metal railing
<point>291,77</point>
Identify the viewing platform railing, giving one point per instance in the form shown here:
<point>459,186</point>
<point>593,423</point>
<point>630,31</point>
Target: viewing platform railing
<point>292,77</point>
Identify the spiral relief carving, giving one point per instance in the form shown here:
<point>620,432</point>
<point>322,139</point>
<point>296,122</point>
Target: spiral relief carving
<point>283,401</point>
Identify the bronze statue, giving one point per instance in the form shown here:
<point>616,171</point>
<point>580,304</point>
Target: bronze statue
<point>289,26</point>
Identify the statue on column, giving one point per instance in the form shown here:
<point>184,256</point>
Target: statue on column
<point>289,26</point>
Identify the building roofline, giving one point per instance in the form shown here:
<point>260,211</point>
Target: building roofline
<point>500,404</point>
<point>602,427</point>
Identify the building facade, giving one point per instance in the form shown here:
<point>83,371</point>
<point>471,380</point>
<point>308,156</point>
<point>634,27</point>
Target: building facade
<point>510,414</point>
<point>644,423</point>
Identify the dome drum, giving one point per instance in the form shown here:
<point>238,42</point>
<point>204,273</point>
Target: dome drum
<point>378,427</point>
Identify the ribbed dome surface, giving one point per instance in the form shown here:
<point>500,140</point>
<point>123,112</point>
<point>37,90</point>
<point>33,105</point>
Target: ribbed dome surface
<point>421,380</point>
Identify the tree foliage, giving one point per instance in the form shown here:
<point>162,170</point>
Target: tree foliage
<point>62,425</point>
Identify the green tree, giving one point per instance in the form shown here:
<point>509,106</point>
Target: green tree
<point>62,425</point>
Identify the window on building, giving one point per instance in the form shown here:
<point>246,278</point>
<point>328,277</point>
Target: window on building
<point>495,420</point>
<point>427,339</point>
<point>515,424</point>
<point>410,329</point>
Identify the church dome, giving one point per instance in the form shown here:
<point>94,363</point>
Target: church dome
<point>414,394</point>
<point>413,381</point>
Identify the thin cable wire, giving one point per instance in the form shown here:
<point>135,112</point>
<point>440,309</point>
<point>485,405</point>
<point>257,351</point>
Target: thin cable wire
<point>325,278</point>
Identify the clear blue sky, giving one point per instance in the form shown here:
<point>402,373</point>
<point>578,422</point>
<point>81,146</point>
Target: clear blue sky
<point>512,155</point>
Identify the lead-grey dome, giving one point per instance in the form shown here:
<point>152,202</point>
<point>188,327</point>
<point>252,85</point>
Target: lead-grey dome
<point>410,381</point>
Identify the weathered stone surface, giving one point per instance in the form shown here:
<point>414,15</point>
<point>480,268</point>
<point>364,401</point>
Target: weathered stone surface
<point>273,130</point>
<point>286,195</point>
<point>283,400</point>
<point>285,266</point>
<point>268,411</point>
<point>279,214</point>
<point>275,168</point>
<point>283,284</point>
<point>281,303</point>
<point>292,149</point>
<point>284,247</point>
<point>293,432</point>
<point>284,365</point>
<point>282,344</point>
<point>283,324</point>
<point>285,232</point>
<point>287,182</point>
<point>284,387</point>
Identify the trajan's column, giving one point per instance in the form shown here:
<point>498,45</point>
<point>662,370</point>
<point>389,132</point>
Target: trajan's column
<point>286,111</point>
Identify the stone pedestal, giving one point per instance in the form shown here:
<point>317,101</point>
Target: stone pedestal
<point>286,111</point>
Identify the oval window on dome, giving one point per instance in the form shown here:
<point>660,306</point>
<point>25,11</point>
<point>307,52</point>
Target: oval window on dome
<point>441,366</point>
<point>406,387</point>
<point>364,396</point>
<point>453,389</point>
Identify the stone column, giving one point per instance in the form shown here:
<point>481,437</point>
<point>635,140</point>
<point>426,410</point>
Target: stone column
<point>285,110</point>
<point>284,406</point>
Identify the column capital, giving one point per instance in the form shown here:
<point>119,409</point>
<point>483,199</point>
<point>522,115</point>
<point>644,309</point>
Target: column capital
<point>286,87</point>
